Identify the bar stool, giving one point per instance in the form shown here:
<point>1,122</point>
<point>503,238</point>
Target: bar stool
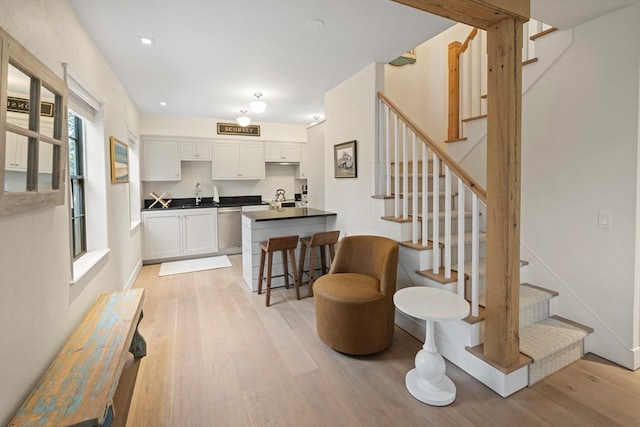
<point>284,244</point>
<point>322,240</point>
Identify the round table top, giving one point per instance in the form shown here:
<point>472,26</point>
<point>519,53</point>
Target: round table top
<point>431,303</point>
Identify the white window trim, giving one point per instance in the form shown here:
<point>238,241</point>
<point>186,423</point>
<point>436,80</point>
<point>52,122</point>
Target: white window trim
<point>86,262</point>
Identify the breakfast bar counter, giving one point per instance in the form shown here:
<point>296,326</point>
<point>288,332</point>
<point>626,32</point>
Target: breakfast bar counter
<point>258,226</point>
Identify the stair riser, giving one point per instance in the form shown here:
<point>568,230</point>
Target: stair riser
<point>541,369</point>
<point>467,251</point>
<point>420,178</point>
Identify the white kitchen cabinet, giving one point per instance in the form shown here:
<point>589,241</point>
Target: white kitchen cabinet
<point>282,152</point>
<point>303,167</point>
<point>238,160</point>
<point>200,231</point>
<point>176,233</point>
<point>16,152</point>
<point>161,161</point>
<point>162,234</point>
<point>195,151</point>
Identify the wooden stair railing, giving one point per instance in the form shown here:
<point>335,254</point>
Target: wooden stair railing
<point>468,75</point>
<point>403,143</point>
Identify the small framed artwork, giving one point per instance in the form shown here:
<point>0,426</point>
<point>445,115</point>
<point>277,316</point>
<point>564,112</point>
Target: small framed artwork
<point>119,161</point>
<point>345,162</point>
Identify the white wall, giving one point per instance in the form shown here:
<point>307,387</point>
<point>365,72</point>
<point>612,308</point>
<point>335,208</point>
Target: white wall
<point>315,161</point>
<point>277,176</point>
<point>579,157</point>
<point>38,306</point>
<point>350,111</point>
<point>420,89</point>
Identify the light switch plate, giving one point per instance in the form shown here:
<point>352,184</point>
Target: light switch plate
<point>605,219</point>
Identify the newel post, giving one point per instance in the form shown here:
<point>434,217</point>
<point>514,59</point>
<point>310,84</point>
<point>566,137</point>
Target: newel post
<point>504,119</point>
<point>454,91</point>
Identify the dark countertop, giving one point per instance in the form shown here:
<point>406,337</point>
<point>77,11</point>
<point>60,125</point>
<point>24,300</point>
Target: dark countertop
<point>207,202</point>
<point>286,213</point>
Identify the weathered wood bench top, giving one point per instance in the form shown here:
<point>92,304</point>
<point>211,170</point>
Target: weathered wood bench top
<point>78,387</point>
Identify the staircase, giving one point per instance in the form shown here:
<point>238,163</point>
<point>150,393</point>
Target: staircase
<point>548,343</point>
<point>437,211</point>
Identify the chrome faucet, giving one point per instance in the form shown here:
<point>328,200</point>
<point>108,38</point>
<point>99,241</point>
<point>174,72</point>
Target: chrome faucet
<point>198,191</point>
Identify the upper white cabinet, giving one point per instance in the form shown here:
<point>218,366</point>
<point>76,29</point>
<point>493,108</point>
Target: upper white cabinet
<point>282,152</point>
<point>195,150</point>
<point>161,160</point>
<point>238,160</point>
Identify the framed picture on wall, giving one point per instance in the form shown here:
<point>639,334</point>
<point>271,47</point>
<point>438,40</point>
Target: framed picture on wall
<point>345,162</point>
<point>119,161</point>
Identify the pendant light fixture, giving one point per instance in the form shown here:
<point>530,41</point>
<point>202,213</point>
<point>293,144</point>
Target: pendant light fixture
<point>243,120</point>
<point>258,106</point>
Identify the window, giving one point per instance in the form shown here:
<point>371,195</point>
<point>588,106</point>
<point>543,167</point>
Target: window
<point>76,176</point>
<point>32,131</point>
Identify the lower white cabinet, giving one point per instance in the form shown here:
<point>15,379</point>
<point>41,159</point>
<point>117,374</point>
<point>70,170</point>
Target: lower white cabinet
<point>175,233</point>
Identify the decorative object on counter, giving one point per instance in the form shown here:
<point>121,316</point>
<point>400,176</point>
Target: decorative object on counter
<point>159,199</point>
<point>234,129</point>
<point>191,265</point>
<point>216,196</point>
<point>280,195</point>
<point>258,106</point>
<point>119,161</point>
<point>243,120</point>
<point>345,163</point>
<point>198,191</point>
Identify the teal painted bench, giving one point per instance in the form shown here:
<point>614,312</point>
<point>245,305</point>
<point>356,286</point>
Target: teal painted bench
<point>78,387</point>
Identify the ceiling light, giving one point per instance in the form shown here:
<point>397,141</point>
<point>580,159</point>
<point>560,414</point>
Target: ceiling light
<point>258,106</point>
<point>315,24</point>
<point>147,41</point>
<point>164,104</point>
<point>243,120</point>
<point>315,121</point>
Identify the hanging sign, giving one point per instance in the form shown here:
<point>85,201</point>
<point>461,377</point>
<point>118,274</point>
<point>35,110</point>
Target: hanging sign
<point>235,129</point>
<point>21,105</point>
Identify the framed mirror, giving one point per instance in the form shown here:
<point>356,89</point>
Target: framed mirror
<point>33,133</point>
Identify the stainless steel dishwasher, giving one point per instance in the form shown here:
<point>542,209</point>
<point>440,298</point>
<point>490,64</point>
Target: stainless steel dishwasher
<point>230,228</point>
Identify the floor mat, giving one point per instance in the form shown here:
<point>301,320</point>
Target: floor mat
<point>190,265</point>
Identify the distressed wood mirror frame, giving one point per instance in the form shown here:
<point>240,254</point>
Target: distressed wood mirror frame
<point>33,111</point>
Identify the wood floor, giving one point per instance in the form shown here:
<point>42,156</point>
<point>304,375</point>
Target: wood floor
<point>216,356</point>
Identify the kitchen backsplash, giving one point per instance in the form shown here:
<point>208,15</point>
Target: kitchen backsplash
<point>277,176</point>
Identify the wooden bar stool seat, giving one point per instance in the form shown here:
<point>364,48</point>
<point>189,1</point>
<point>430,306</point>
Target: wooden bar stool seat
<point>320,240</point>
<point>285,244</point>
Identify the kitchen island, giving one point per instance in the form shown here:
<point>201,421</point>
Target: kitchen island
<point>259,226</point>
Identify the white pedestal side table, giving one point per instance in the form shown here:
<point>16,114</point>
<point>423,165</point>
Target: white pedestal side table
<point>427,382</point>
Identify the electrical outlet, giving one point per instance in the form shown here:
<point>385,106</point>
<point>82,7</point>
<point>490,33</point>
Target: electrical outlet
<point>605,220</point>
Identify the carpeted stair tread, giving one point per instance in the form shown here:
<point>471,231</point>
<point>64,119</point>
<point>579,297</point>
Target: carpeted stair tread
<point>547,337</point>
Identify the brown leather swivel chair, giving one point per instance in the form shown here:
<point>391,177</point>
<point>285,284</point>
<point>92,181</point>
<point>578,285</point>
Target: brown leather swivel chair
<point>354,302</point>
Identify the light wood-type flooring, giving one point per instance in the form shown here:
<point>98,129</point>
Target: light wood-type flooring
<point>216,356</point>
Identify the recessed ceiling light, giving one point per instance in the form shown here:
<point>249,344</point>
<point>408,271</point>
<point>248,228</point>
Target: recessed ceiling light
<point>164,104</point>
<point>315,24</point>
<point>147,41</point>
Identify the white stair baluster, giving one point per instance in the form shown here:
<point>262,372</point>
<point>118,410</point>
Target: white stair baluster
<point>461,247</point>
<point>414,183</point>
<point>387,160</point>
<point>435,212</point>
<point>405,173</point>
<point>425,195</point>
<point>396,168</point>
<point>475,255</point>
<point>447,222</point>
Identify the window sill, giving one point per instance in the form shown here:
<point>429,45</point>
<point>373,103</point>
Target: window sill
<point>86,262</point>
